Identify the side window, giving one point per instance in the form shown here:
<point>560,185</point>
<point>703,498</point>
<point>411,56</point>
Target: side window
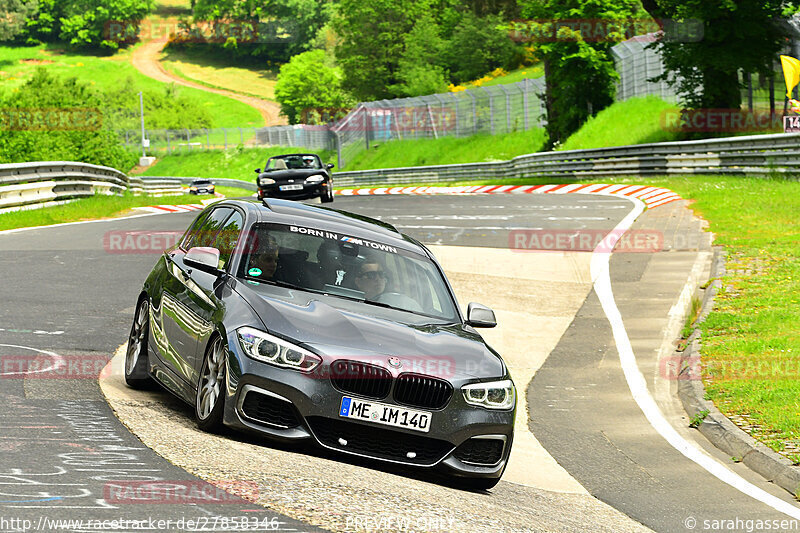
<point>188,237</point>
<point>207,231</point>
<point>227,238</point>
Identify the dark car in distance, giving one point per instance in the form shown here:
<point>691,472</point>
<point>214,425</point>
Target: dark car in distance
<point>295,177</point>
<point>201,187</point>
<point>305,323</point>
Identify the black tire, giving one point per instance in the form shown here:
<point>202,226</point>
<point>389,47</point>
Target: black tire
<point>137,374</point>
<point>327,197</point>
<point>209,403</point>
<point>478,483</point>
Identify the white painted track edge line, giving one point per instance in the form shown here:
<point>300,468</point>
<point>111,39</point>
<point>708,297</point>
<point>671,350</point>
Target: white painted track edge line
<point>638,386</point>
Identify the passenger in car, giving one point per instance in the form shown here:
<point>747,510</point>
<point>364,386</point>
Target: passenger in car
<point>264,260</point>
<point>330,267</point>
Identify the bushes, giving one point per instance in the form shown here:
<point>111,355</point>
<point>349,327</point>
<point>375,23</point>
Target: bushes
<point>309,90</point>
<point>53,119</point>
<point>85,23</point>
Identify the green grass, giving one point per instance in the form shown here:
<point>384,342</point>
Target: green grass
<point>18,63</point>
<point>530,72</point>
<point>238,163</point>
<point>633,121</point>
<point>218,73</point>
<point>101,206</point>
<point>448,150</point>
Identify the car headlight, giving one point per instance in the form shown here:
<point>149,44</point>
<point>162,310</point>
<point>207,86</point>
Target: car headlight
<point>316,178</point>
<point>266,181</point>
<point>268,349</point>
<point>493,395</point>
<point>192,188</point>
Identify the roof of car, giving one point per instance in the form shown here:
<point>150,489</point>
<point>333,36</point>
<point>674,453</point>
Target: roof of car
<point>291,212</point>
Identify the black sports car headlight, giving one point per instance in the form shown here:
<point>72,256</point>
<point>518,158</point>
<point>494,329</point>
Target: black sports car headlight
<point>268,349</point>
<point>493,395</point>
<point>266,181</point>
<point>316,178</point>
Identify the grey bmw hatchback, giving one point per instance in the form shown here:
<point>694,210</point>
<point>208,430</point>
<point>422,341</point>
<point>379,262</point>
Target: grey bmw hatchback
<point>303,322</point>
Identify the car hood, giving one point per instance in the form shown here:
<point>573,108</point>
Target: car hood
<point>447,351</point>
<point>295,174</point>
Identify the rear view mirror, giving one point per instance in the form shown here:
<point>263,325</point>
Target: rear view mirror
<point>203,258</point>
<point>480,316</point>
<point>258,171</point>
<point>329,166</point>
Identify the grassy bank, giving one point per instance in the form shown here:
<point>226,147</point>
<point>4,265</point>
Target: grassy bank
<point>633,121</point>
<point>100,206</point>
<point>112,73</point>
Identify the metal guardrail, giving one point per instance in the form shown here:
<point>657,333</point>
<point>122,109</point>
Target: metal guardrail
<point>755,154</point>
<point>28,184</point>
<point>225,182</point>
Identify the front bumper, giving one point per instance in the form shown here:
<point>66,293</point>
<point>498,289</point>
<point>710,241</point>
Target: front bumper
<point>308,191</point>
<point>287,405</point>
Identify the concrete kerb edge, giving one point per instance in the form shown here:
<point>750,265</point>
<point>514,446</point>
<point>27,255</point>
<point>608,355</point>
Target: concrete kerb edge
<point>715,426</point>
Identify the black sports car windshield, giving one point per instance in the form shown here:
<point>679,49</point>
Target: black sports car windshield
<point>293,161</point>
<point>346,266</point>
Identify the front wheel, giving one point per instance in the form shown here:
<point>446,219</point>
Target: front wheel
<point>136,372</point>
<point>327,197</point>
<point>210,399</point>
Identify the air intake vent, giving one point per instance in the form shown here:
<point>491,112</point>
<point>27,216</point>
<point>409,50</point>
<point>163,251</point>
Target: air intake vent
<point>422,391</point>
<point>361,378</point>
<point>378,443</point>
<point>269,410</point>
<point>486,452</point>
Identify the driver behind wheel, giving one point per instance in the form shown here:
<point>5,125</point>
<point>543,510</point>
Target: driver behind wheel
<point>264,260</point>
<point>371,279</point>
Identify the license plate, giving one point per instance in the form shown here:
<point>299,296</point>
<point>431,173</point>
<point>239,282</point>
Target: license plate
<point>295,187</point>
<point>388,415</point>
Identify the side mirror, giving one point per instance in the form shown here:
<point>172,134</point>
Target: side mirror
<point>258,171</point>
<point>203,258</point>
<point>480,316</point>
<point>329,166</point>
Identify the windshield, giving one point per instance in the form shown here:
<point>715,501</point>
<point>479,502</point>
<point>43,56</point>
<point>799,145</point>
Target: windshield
<point>294,161</point>
<point>348,267</point>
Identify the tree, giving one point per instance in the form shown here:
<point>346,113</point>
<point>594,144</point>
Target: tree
<point>372,42</point>
<point>478,45</point>
<point>283,28</point>
<point>421,71</point>
<point>736,35</point>
<point>580,77</point>
<point>308,89</point>
<point>13,14</point>
<point>55,119</point>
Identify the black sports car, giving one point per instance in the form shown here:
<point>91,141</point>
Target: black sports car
<point>304,322</point>
<point>295,177</point>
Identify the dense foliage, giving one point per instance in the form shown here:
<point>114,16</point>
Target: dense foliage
<point>13,14</point>
<point>53,119</point>
<point>580,75</point>
<point>309,90</point>
<point>736,34</point>
<point>87,24</point>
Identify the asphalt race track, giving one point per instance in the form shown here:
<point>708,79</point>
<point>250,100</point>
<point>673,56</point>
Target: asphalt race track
<point>66,294</point>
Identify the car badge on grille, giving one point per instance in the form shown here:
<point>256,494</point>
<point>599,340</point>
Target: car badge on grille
<point>395,362</point>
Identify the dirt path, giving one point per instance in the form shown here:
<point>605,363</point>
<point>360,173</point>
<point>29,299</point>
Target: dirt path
<point>145,60</point>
